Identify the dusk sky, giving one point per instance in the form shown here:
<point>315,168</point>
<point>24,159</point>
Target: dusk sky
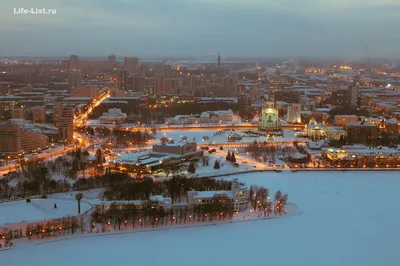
<point>264,28</point>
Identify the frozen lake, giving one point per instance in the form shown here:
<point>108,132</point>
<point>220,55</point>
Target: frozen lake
<point>349,218</point>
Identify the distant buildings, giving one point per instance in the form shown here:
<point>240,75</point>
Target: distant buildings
<point>335,133</point>
<point>217,116</point>
<point>74,79</point>
<point>113,116</point>
<point>91,91</point>
<point>123,80</point>
<point>74,63</point>
<point>139,82</point>
<point>18,113</point>
<point>361,132</point>
<point>111,59</point>
<point>131,64</point>
<point>294,113</point>
<point>354,94</point>
<point>342,120</point>
<point>316,131</point>
<point>175,148</point>
<point>38,114</point>
<point>363,157</point>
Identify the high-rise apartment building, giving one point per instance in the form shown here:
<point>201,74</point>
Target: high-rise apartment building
<point>111,59</point>
<point>65,124</point>
<point>159,84</point>
<point>74,63</point>
<point>355,97</point>
<point>74,79</point>
<point>294,113</point>
<point>123,82</point>
<point>139,82</point>
<point>131,64</point>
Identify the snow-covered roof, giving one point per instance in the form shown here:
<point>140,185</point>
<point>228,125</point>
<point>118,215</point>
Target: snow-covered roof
<point>210,194</point>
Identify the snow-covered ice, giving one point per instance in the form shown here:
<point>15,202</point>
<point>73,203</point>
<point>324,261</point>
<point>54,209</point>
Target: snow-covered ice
<point>348,219</point>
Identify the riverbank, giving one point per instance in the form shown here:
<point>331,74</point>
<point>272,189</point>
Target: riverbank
<point>291,209</point>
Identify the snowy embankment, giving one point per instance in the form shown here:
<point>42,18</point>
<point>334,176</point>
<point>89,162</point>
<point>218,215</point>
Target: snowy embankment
<point>39,210</point>
<point>291,209</point>
<point>342,224</point>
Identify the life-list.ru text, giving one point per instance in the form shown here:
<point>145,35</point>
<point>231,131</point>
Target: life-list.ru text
<point>34,11</point>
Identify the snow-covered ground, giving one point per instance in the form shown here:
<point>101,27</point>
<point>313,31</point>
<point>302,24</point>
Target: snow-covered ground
<point>39,210</point>
<point>348,219</point>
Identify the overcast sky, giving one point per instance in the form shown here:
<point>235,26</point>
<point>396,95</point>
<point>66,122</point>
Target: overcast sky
<point>246,28</point>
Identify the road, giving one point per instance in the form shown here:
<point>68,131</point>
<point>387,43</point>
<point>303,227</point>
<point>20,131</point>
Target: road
<point>80,121</point>
<point>54,152</point>
<point>196,127</point>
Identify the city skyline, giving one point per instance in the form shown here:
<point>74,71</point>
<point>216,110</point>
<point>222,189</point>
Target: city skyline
<point>352,29</point>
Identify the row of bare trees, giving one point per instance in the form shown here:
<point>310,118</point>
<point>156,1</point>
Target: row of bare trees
<point>62,226</point>
<point>133,216</point>
<point>262,203</point>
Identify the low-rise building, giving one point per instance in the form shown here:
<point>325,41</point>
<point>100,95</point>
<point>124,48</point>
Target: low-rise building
<point>335,132</point>
<point>361,132</point>
<point>363,157</point>
<point>180,148</point>
<point>221,116</point>
<point>114,116</point>
<point>341,120</point>
<point>237,196</point>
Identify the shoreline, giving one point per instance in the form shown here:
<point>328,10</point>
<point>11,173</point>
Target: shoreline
<point>294,170</point>
<point>294,210</point>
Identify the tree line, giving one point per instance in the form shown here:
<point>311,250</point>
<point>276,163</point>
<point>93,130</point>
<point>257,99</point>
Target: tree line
<point>132,216</point>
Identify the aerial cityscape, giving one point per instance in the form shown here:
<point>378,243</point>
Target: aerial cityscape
<point>124,159</point>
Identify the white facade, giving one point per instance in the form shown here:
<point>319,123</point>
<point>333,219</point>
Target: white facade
<point>215,116</point>
<point>238,196</point>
